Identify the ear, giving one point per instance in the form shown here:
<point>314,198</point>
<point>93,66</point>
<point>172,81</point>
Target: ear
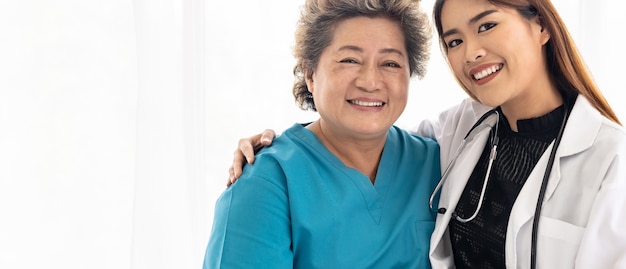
<point>544,34</point>
<point>308,78</point>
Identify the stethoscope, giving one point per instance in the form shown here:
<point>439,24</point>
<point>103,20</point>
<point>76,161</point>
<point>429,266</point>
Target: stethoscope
<point>479,125</point>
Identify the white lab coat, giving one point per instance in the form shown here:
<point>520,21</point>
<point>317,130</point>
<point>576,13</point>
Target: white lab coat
<point>583,219</point>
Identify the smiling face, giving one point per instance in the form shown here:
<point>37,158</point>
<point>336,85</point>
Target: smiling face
<point>496,53</point>
<point>360,85</point>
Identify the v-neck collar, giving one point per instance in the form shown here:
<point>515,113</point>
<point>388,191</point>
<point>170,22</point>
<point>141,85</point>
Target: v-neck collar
<point>374,195</point>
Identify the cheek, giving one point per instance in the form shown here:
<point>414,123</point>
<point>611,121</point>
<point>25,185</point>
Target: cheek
<point>403,102</point>
<point>326,90</point>
<point>456,63</point>
<point>401,91</point>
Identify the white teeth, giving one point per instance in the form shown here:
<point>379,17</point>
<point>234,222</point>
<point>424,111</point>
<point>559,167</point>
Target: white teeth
<point>486,72</point>
<point>363,103</point>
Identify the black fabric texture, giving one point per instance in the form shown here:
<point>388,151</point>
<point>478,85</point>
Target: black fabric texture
<point>480,243</point>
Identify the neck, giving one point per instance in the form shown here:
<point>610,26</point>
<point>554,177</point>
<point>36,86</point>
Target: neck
<point>531,106</point>
<point>355,152</point>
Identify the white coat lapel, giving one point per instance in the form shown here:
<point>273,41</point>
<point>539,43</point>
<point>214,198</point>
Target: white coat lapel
<point>585,126</point>
<point>578,136</point>
<point>524,208</point>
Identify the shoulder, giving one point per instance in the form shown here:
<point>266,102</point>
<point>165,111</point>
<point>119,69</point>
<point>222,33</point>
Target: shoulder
<point>456,119</point>
<point>412,147</point>
<point>287,147</point>
<point>412,139</point>
<point>587,129</point>
<point>611,138</point>
<point>289,151</point>
<point>593,147</point>
<point>413,157</point>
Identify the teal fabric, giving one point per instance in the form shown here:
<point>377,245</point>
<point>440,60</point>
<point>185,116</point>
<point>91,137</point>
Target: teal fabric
<point>298,206</point>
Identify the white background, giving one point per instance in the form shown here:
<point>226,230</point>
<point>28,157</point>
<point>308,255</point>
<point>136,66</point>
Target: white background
<point>118,118</point>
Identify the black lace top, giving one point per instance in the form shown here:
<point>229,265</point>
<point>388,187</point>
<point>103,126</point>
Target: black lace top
<point>480,243</point>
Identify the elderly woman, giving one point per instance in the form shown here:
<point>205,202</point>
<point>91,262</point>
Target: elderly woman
<point>349,190</point>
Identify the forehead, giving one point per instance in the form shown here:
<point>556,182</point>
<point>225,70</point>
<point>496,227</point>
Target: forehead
<point>461,11</point>
<point>368,31</point>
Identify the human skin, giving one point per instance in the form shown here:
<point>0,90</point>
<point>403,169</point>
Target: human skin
<point>483,38</point>
<point>360,88</point>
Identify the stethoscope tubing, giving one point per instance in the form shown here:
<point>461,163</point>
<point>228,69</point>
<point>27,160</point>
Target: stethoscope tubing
<point>467,137</point>
<point>544,186</point>
<point>492,156</point>
<point>544,183</point>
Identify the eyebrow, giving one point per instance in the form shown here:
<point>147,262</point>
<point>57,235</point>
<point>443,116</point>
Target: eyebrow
<point>358,49</point>
<point>471,21</point>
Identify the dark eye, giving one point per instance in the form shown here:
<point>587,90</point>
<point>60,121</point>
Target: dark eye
<point>392,64</point>
<point>486,26</point>
<point>453,43</point>
<point>348,61</point>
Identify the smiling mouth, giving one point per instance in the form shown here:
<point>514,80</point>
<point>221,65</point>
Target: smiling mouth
<point>486,72</point>
<point>368,104</point>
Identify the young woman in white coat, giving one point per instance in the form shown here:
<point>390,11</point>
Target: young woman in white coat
<point>535,161</point>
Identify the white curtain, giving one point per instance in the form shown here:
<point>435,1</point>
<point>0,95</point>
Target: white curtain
<point>102,130</point>
<point>118,118</point>
<point>169,219</point>
<point>596,26</point>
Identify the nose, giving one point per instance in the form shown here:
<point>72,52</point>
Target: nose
<point>474,51</point>
<point>369,78</point>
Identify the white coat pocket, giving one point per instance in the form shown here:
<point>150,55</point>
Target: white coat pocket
<point>560,241</point>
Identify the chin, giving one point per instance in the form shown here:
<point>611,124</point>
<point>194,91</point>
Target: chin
<point>490,101</point>
<point>373,130</point>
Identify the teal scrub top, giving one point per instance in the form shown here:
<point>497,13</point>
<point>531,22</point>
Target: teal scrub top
<point>299,206</point>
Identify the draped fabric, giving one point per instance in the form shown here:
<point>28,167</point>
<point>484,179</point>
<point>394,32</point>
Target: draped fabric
<point>118,118</point>
<point>102,154</point>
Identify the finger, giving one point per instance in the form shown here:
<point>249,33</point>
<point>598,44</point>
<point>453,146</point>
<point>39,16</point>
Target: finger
<point>236,167</point>
<point>267,137</point>
<point>231,177</point>
<point>245,150</point>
